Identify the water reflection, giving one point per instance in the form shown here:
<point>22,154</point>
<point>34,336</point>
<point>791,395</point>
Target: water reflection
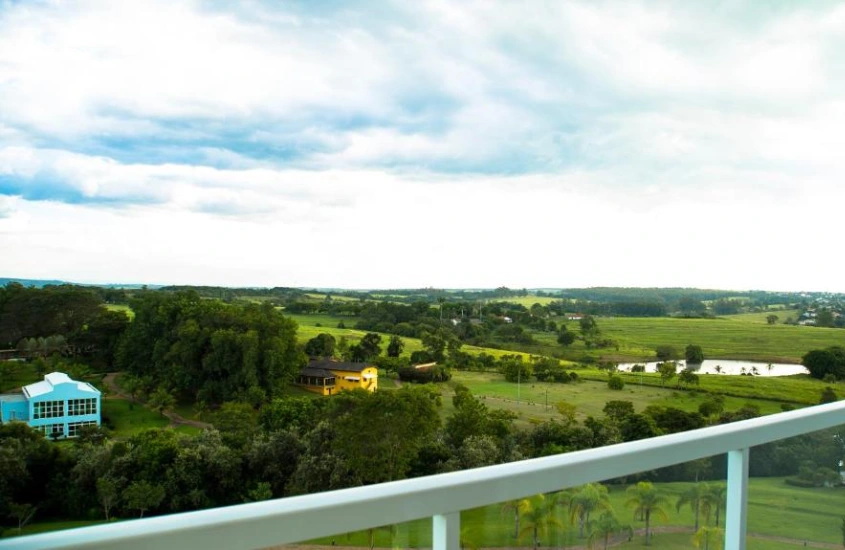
<point>727,366</point>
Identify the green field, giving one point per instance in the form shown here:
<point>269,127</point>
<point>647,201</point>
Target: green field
<point>760,317</point>
<point>723,338</point>
<point>528,301</point>
<point>588,396</point>
<point>775,510</point>
<point>308,329</point>
<point>127,421</point>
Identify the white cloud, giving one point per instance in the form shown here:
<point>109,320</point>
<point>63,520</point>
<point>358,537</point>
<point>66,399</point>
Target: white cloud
<point>427,143</point>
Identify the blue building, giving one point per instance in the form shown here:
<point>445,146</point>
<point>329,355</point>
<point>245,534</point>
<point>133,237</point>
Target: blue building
<point>57,406</point>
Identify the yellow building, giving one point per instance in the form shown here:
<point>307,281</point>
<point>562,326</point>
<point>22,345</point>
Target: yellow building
<point>326,377</point>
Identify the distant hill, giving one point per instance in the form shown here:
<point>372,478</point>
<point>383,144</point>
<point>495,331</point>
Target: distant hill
<point>39,283</point>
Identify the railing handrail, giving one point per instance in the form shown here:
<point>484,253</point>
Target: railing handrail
<point>295,519</point>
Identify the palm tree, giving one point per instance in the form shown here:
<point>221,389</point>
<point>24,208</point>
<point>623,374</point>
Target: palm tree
<point>591,497</point>
<point>717,498</point>
<point>517,507</point>
<point>646,502</point>
<point>538,517</point>
<point>698,496</point>
<point>605,526</point>
<point>708,538</point>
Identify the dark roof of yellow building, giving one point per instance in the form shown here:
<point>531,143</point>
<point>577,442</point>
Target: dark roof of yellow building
<point>337,365</point>
<point>317,373</point>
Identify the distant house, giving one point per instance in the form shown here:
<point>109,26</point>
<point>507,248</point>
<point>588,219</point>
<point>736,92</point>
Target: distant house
<point>327,377</point>
<point>57,406</point>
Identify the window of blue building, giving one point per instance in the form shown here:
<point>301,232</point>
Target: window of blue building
<point>48,409</point>
<point>78,407</point>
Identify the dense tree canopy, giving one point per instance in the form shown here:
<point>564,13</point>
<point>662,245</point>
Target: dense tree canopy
<point>209,351</point>
<point>67,320</point>
<point>821,362</point>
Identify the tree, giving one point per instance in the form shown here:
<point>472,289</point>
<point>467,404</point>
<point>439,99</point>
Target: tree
<point>615,382</point>
<point>22,513</point>
<point>589,498</point>
<point>697,496</point>
<point>667,370</point>
<point>708,538</point>
<point>588,325</point>
<point>712,407</point>
<point>565,337</point>
<point>646,502</point>
<point>236,422</point>
<point>666,353</point>
<point>821,362</point>
<point>694,354</point>
<point>380,434</point>
<point>469,419</point>
<point>322,345</point>
<point>618,410</point>
<point>395,347</point>
<point>143,496</point>
<point>132,385</point>
<point>688,378</point>
<point>718,492</point>
<point>162,399</point>
<point>518,507</point>
<point>771,319</point>
<point>108,494</point>
<point>515,369</point>
<point>435,342</point>
<point>691,306</point>
<point>261,492</point>
<point>824,318</point>
<point>828,395</point>
<point>604,527</point>
<point>567,411</point>
<point>538,517</point>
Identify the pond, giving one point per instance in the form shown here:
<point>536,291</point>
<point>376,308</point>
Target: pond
<point>730,367</point>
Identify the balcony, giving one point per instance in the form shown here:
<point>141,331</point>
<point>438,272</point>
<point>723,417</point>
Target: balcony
<point>443,497</point>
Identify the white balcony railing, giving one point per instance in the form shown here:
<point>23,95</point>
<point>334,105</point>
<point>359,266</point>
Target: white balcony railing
<point>442,497</point>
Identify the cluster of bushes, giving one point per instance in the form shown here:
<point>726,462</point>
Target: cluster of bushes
<point>435,373</point>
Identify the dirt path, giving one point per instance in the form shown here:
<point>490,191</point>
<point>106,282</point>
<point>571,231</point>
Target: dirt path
<point>175,419</point>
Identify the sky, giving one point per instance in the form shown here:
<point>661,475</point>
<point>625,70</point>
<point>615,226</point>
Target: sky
<point>437,144</point>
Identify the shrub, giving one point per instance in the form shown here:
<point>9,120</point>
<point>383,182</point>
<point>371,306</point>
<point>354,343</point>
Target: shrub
<point>615,383</point>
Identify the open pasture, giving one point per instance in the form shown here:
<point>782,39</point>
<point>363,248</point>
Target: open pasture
<point>534,402</point>
<point>722,338</point>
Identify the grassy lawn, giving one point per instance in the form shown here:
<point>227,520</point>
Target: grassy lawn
<point>799,389</point>
<point>722,338</point>
<point>46,526</point>
<point>125,421</point>
<point>744,336</point>
<point>528,301</point>
<point>18,374</point>
<point>760,317</point>
<point>775,510</point>
<point>588,396</point>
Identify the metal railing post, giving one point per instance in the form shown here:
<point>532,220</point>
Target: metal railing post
<point>446,531</point>
<point>736,512</point>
